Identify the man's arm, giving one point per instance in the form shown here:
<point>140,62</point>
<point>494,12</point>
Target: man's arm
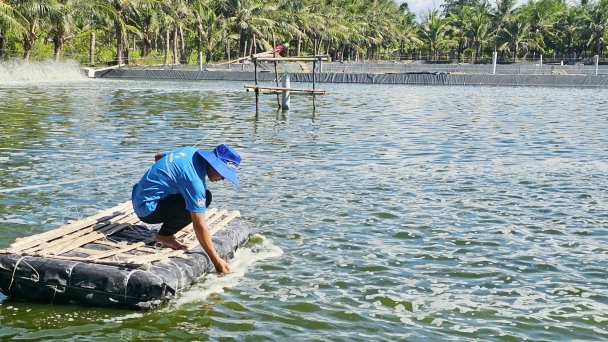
<point>204,238</point>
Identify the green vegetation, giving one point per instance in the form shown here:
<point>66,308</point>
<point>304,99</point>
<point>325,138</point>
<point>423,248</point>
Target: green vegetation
<point>176,31</point>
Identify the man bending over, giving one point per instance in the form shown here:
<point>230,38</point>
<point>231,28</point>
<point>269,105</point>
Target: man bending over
<point>173,192</point>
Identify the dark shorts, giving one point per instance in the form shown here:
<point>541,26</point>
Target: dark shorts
<point>172,213</point>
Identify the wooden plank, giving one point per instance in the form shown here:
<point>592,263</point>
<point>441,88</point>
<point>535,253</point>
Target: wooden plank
<point>116,251</point>
<point>214,229</point>
<point>93,252</point>
<point>154,257</point>
<point>37,239</point>
<point>68,245</point>
<point>209,222</point>
<point>144,249</point>
<point>81,232</point>
<point>291,90</point>
<point>224,222</point>
<point>292,59</point>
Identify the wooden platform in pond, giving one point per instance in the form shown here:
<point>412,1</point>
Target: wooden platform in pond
<point>278,90</point>
<point>91,238</point>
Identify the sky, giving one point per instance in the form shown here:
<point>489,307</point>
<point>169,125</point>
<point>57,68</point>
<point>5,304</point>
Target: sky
<point>421,6</point>
<point>418,6</point>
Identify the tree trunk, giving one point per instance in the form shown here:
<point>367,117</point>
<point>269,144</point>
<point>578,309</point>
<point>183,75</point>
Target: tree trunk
<point>299,46</point>
<point>175,46</point>
<point>92,49</point>
<point>58,43</point>
<point>167,39</point>
<point>119,43</point>
<point>208,56</point>
<point>2,42</point>
<point>127,48</point>
<point>183,59</point>
<point>238,46</point>
<point>28,43</point>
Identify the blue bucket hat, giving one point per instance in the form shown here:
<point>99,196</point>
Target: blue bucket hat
<point>225,160</point>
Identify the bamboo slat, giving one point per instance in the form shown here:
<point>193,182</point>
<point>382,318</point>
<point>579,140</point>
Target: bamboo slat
<point>224,222</point>
<point>49,245</point>
<point>154,257</point>
<point>69,244</point>
<point>116,251</point>
<point>37,239</point>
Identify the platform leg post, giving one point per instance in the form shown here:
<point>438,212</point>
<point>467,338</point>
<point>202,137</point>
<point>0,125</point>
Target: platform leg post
<point>286,102</point>
<point>494,58</point>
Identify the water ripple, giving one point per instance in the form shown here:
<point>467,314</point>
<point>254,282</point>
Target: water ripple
<point>400,212</point>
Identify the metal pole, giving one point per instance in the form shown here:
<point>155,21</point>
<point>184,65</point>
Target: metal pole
<point>200,61</point>
<point>494,58</point>
<point>314,65</point>
<point>255,73</point>
<point>286,97</point>
<point>276,73</point>
<point>541,60</point>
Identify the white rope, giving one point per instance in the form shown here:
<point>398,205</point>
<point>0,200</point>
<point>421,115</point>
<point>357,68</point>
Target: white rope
<point>70,270</point>
<point>69,211</point>
<point>48,185</point>
<point>127,282</point>
<point>224,121</point>
<point>181,274</point>
<point>35,279</point>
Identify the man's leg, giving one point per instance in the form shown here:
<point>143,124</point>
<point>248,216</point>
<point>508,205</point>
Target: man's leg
<point>172,213</point>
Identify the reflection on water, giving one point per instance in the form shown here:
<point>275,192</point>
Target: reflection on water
<point>386,213</point>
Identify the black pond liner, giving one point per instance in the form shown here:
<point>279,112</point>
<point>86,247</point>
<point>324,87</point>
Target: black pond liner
<point>144,287</point>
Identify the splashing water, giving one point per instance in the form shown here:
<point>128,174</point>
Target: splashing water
<point>23,71</point>
<point>244,258</point>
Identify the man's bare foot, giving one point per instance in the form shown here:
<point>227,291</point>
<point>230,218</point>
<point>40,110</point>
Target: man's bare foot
<point>170,241</point>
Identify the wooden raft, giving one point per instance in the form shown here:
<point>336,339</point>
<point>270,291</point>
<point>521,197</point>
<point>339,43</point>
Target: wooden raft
<point>97,230</point>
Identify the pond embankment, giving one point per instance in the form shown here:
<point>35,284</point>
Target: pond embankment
<point>422,77</point>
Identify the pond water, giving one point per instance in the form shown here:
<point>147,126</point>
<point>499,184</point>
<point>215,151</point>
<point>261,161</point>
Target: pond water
<point>385,213</point>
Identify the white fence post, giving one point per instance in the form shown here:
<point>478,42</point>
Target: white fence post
<point>597,62</point>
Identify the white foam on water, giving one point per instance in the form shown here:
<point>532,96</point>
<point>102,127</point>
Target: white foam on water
<point>120,319</point>
<point>49,71</point>
<point>244,258</point>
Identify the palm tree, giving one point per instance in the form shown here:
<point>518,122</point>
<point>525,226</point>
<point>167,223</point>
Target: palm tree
<point>63,22</point>
<point>542,15</point>
<point>569,28</point>
<point>10,22</point>
<point>433,30</point>
<point>518,36</point>
<point>35,13</point>
<point>249,18</point>
<point>596,17</point>
<point>120,11</point>
<point>478,27</point>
